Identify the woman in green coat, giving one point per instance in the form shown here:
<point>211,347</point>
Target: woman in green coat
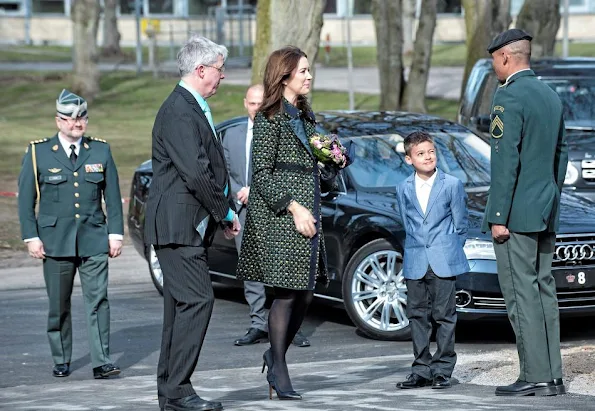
<point>283,245</point>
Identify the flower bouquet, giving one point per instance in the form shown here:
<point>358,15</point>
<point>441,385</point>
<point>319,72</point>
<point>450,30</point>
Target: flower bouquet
<point>329,151</point>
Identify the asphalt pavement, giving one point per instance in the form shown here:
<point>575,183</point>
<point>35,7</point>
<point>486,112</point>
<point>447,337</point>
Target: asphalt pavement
<point>341,370</point>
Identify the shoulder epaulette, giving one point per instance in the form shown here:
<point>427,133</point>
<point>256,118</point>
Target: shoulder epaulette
<point>43,140</point>
<point>98,139</point>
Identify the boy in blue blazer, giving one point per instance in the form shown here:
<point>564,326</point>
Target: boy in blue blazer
<point>433,208</point>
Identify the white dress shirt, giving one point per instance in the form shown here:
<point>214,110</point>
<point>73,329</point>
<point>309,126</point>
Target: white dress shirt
<point>248,146</point>
<point>423,189</point>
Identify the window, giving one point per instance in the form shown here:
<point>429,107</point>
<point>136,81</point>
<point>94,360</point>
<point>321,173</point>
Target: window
<point>48,6</point>
<point>161,6</point>
<point>10,6</point>
<point>449,6</point>
<point>490,85</point>
<point>359,7</point>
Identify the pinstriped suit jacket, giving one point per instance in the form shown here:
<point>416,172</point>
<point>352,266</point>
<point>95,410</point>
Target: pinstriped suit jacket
<point>189,175</point>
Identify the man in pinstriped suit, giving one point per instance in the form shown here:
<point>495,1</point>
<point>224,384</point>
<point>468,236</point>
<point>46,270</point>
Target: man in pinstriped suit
<point>188,199</point>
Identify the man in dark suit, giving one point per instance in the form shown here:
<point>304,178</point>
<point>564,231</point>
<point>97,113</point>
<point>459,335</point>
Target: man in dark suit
<point>189,198</point>
<point>68,175</point>
<point>529,160</point>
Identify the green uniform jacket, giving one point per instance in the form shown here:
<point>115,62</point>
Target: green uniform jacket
<point>529,156</point>
<point>70,221</point>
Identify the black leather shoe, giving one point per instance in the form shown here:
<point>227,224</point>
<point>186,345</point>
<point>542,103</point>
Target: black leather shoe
<point>61,370</point>
<point>414,381</point>
<point>521,388</point>
<point>253,336</point>
<point>192,403</point>
<point>300,340</point>
<point>105,371</point>
<point>440,381</point>
<point>560,387</point>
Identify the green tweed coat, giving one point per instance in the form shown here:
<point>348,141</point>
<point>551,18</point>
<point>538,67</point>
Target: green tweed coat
<point>284,169</point>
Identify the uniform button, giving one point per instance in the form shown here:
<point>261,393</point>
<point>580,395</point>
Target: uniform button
<point>76,184</point>
<point>76,195</point>
<point>498,214</point>
<point>77,205</point>
<point>428,246</point>
<point>77,216</point>
<point>76,174</point>
<point>425,223</point>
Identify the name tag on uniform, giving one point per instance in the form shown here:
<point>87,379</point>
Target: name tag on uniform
<point>94,168</point>
<point>55,178</point>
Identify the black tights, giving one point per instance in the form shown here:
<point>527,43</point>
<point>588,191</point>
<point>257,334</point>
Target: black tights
<point>285,318</point>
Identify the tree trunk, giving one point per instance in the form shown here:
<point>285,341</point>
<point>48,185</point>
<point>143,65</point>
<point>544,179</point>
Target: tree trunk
<point>85,78</point>
<point>484,19</point>
<point>408,26</point>
<point>415,89</point>
<point>111,46</point>
<point>541,19</point>
<point>389,43</point>
<point>280,23</point>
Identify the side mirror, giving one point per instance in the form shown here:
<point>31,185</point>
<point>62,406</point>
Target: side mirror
<point>481,123</point>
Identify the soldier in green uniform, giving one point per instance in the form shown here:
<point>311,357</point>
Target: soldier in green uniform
<point>68,175</point>
<point>528,162</point>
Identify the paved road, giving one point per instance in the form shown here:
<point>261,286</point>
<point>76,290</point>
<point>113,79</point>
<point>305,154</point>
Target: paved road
<point>443,82</point>
<point>341,371</point>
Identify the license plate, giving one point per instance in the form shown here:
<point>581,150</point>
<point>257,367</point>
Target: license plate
<point>574,279</point>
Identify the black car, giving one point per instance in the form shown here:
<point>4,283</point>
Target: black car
<point>574,81</point>
<point>365,237</point>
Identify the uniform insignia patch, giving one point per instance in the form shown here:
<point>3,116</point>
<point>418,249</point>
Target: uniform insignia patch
<point>94,168</point>
<point>55,148</point>
<point>497,127</point>
<point>86,145</point>
<point>54,170</point>
<point>499,108</point>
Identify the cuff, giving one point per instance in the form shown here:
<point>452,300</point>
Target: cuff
<point>115,237</point>
<point>230,215</point>
<point>28,240</point>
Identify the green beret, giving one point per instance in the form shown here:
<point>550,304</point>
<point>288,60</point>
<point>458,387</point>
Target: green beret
<point>71,105</point>
<point>507,37</point>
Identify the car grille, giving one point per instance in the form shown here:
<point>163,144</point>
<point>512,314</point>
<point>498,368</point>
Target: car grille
<point>588,170</point>
<point>574,251</point>
<point>566,299</point>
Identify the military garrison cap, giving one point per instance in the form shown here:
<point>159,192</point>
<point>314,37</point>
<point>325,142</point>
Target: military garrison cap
<point>71,105</point>
<point>507,37</point>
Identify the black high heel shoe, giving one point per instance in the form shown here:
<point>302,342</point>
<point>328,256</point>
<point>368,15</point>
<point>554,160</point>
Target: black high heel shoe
<point>267,361</point>
<point>282,395</point>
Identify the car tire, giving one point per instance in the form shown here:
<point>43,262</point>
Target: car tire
<point>155,269</point>
<point>374,292</point>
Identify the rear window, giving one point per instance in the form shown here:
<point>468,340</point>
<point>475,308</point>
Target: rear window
<point>578,98</point>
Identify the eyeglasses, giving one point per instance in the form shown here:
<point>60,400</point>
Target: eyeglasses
<point>81,120</point>
<point>221,69</point>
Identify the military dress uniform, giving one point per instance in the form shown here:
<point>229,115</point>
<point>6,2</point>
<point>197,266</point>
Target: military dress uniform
<point>528,166</point>
<point>72,226</point>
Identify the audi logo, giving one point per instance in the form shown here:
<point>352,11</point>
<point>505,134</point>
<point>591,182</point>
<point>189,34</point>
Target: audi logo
<point>574,252</point>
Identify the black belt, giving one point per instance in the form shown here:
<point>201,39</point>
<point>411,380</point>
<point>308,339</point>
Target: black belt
<point>294,167</point>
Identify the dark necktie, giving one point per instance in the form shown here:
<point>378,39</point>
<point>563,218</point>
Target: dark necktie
<point>73,155</point>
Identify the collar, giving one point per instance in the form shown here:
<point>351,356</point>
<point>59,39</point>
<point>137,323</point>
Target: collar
<point>199,99</point>
<point>250,123</point>
<point>509,78</point>
<point>66,144</point>
<point>295,112</point>
<point>419,182</point>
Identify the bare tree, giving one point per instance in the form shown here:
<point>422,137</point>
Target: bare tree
<point>389,43</point>
<point>484,19</point>
<point>85,17</point>
<point>281,23</point>
<point>111,45</point>
<point>408,17</point>
<point>415,89</point>
<point>541,19</point>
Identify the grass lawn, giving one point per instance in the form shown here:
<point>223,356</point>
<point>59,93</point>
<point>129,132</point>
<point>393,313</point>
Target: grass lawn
<point>123,115</point>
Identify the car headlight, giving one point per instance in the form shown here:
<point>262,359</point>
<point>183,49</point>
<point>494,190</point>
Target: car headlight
<point>479,249</point>
<point>571,174</point>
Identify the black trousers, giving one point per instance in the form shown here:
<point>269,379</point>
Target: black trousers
<point>432,297</point>
<point>187,306</point>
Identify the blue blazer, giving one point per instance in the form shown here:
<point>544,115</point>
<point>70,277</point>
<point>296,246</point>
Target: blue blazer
<point>436,238</point>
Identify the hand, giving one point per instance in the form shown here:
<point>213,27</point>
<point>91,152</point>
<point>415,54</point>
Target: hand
<point>243,195</point>
<point>500,233</point>
<point>234,230</point>
<point>115,248</point>
<point>36,250</point>
<point>304,221</point>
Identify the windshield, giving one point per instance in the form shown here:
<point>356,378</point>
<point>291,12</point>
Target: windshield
<point>379,160</point>
<point>578,98</point>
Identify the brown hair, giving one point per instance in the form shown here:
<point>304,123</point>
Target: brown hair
<point>415,138</point>
<point>279,68</point>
